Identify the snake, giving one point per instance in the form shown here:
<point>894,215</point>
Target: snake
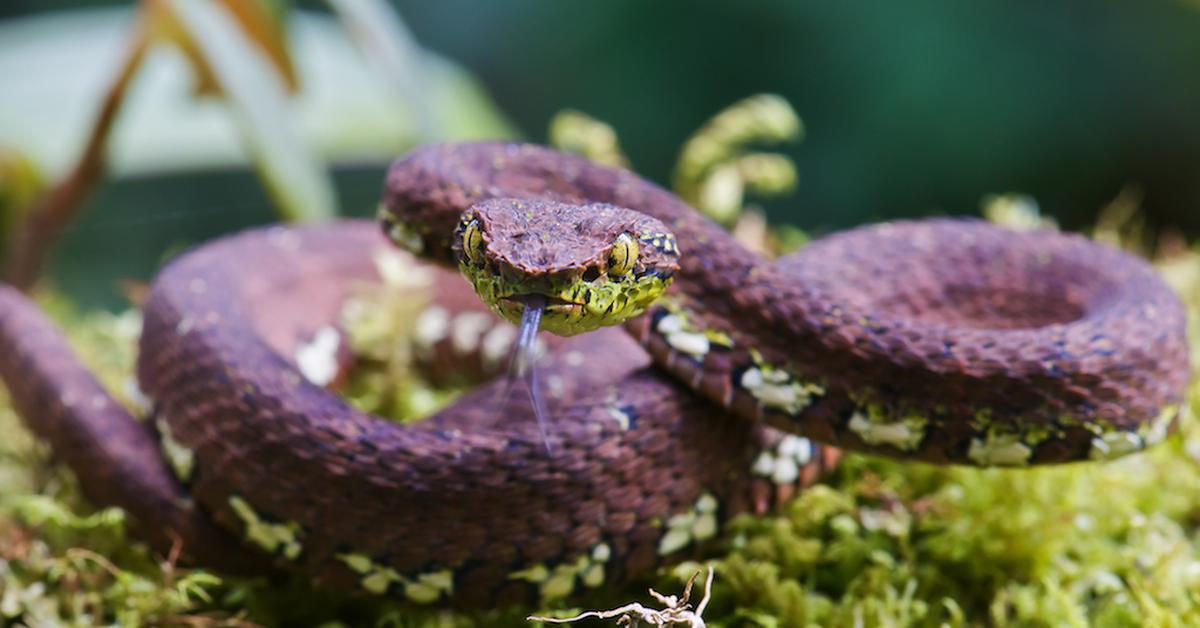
<point>938,340</point>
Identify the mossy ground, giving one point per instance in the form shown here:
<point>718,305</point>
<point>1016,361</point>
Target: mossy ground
<point>881,543</point>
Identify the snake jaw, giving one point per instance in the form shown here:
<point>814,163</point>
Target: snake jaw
<point>510,307</point>
<point>522,299</point>
<point>573,305</point>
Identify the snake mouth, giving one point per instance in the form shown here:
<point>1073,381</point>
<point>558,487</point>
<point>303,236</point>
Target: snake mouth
<point>550,300</point>
<point>570,305</point>
<point>554,305</point>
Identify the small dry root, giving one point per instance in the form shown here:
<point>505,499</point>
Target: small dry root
<point>676,612</point>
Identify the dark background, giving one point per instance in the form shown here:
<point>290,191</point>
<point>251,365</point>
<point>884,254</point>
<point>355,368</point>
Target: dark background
<point>911,108</point>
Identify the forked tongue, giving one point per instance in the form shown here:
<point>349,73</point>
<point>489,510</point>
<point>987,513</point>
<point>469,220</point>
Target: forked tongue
<point>524,356</point>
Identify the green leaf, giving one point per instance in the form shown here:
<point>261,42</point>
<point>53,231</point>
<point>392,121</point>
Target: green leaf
<point>296,179</point>
<point>377,30</point>
<point>349,111</point>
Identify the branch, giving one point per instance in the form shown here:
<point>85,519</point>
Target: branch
<point>44,223</point>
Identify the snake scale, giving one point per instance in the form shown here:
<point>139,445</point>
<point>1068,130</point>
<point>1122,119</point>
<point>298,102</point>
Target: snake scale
<point>940,340</point>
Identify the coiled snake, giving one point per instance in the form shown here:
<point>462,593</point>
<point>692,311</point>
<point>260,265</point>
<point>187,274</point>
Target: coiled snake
<point>942,340</point>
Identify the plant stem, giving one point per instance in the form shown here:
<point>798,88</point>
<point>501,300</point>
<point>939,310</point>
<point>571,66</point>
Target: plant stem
<point>44,223</point>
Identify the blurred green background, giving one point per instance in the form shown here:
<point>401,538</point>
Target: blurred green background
<point>910,108</point>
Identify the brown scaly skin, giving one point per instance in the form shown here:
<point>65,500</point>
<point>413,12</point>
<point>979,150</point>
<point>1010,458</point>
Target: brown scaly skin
<point>942,340</point>
<point>465,508</point>
<point>117,458</point>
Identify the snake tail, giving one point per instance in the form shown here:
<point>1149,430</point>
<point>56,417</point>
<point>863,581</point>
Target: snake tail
<point>116,458</point>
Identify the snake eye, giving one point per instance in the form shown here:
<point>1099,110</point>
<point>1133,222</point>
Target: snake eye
<point>624,254</point>
<point>472,242</point>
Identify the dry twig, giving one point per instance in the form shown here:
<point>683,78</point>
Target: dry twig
<point>676,612</point>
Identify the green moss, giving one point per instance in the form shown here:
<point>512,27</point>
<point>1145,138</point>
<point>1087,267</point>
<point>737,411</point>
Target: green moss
<point>888,540</point>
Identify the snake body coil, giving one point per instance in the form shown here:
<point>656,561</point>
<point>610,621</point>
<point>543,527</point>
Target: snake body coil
<point>464,507</point>
<point>942,340</point>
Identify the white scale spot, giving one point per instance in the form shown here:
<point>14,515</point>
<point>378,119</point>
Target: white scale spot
<point>705,527</point>
<point>133,392</point>
<point>317,359</point>
<point>497,342</point>
<point>560,582</point>
<point>181,459</point>
<point>699,523</point>
<point>535,574</point>
<point>397,269</point>
<point>357,562</point>
<point>775,388</point>
<point>1160,427</point>
<point>1114,445</point>
<point>128,325</point>
<point>897,434</point>
<point>574,358</point>
<point>433,325</point>
<point>674,540</point>
<point>467,329</point>
<point>786,471</point>
<point>764,464</point>
<point>559,585</point>
<point>555,385</point>
<point>284,238</point>
<point>378,581</point>
<point>798,447</point>
<point>406,238</point>
<point>429,587</point>
<point>283,538</point>
<point>594,576</point>
<point>620,416</point>
<point>783,463</point>
<point>692,343</point>
<point>999,451</point>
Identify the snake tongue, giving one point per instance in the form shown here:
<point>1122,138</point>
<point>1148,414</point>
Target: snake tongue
<point>522,364</point>
<point>531,319</point>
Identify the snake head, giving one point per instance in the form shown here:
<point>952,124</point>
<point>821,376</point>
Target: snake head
<point>596,265</point>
